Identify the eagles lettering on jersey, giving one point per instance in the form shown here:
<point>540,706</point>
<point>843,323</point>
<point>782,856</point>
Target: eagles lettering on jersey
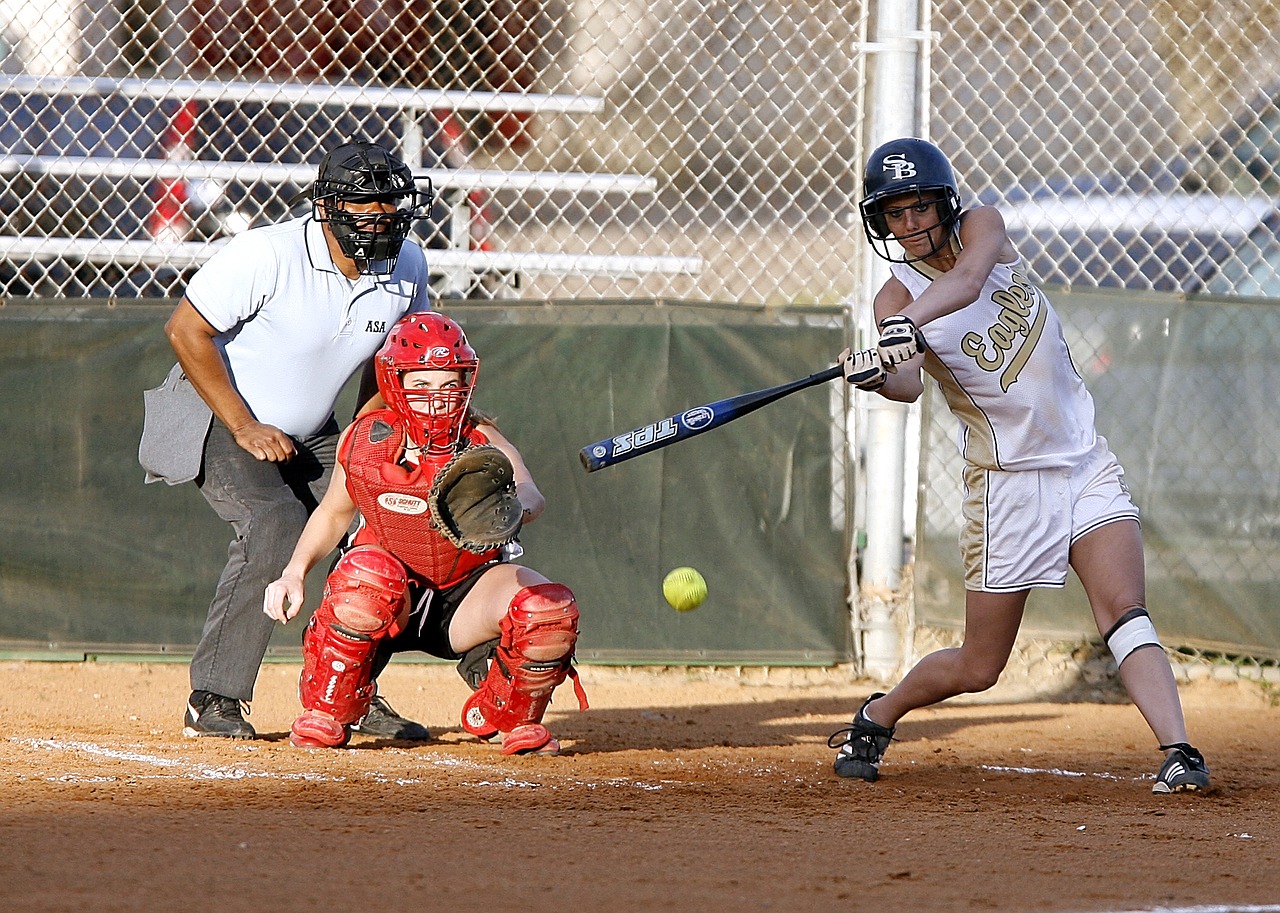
<point>998,361</point>
<point>1022,314</point>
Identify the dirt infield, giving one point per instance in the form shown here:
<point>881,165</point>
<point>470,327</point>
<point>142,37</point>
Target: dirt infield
<point>678,790</point>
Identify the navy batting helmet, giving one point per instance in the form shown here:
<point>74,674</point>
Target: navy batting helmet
<point>904,166</point>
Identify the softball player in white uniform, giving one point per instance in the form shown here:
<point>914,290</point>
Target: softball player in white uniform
<point>1043,492</point>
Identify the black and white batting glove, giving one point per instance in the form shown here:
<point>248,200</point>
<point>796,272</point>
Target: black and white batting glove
<point>900,342</point>
<point>863,369</point>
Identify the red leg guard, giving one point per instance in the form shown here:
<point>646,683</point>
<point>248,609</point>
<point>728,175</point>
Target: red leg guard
<point>364,603</point>
<point>533,656</point>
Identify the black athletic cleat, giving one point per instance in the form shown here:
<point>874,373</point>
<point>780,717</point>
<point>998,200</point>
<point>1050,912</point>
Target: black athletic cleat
<point>862,745</point>
<point>382,722</point>
<point>1183,771</point>
<point>210,714</point>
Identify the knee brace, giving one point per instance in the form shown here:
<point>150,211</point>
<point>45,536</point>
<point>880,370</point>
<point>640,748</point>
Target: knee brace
<point>533,656</point>
<point>364,603</point>
<point>1132,631</point>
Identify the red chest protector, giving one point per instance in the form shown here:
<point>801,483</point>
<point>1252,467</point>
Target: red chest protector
<point>394,501</point>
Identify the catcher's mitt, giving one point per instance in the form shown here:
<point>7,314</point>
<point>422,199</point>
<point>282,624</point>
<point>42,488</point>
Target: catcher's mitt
<point>473,500</point>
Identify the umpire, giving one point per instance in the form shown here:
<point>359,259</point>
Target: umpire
<point>267,334</point>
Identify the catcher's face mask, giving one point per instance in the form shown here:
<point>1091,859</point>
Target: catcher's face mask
<point>437,402</point>
<point>426,372</point>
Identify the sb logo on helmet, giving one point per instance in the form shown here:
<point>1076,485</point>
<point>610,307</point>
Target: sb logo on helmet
<point>900,165</point>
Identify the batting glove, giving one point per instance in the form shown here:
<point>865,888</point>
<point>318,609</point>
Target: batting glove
<point>900,342</point>
<point>863,369</point>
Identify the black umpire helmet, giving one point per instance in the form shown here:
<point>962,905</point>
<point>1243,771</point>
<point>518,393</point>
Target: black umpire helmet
<point>361,171</point>
<point>902,166</point>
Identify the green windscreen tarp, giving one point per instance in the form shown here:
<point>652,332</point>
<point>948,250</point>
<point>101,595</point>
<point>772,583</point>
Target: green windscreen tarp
<point>90,557</point>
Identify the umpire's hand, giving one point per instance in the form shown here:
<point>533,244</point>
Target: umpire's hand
<point>265,442</point>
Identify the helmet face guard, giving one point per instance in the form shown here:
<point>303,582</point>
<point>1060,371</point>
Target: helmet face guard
<point>895,170</point>
<point>361,172</point>
<point>427,342</point>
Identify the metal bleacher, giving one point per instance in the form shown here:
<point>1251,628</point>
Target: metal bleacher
<point>457,266</point>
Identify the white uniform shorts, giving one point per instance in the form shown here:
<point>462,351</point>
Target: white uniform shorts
<point>1019,526</point>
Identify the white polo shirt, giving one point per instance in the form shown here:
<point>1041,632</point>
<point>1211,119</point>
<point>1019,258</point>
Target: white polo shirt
<point>292,328</point>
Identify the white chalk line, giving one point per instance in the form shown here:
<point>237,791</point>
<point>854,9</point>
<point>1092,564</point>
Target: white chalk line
<point>1059,772</point>
<point>186,769</point>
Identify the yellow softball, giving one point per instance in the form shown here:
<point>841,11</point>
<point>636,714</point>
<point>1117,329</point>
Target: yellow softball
<point>684,589</point>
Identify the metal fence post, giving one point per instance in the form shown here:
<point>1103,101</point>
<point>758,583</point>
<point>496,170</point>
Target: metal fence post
<point>894,110</point>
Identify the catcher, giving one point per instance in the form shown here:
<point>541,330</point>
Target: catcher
<point>441,501</point>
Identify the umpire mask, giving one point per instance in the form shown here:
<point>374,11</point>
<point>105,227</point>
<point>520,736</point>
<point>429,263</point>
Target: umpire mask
<point>362,172</point>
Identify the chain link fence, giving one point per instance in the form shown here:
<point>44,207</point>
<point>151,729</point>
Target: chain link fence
<point>693,149</point>
<point>607,147</point>
<point>1129,144</point>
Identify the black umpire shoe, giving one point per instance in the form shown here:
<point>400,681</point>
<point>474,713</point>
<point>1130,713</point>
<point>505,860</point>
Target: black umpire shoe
<point>382,722</point>
<point>862,744</point>
<point>1183,771</point>
<point>210,714</point>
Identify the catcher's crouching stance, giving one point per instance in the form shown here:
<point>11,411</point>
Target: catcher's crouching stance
<point>441,503</point>
<point>365,603</point>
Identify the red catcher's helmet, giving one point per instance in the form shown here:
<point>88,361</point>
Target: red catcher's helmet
<point>427,341</point>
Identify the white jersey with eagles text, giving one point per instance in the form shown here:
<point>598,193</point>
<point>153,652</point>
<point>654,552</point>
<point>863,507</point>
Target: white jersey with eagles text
<point>1004,368</point>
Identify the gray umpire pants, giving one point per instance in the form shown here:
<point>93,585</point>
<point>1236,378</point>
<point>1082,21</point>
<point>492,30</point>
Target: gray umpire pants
<point>267,504</point>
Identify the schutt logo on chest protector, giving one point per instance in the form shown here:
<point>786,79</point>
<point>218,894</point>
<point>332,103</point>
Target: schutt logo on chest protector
<point>402,504</point>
